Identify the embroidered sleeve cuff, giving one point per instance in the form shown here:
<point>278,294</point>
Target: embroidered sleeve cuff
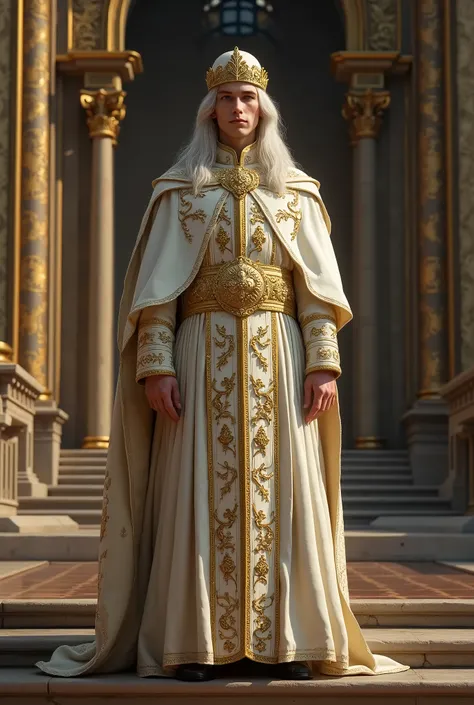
<point>155,349</point>
<point>320,338</point>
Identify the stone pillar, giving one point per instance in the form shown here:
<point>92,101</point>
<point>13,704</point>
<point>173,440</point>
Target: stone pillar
<point>427,421</point>
<point>364,110</point>
<point>105,110</point>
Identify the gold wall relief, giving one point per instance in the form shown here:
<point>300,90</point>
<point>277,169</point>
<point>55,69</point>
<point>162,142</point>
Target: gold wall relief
<point>227,339</point>
<point>257,344</point>
<point>7,155</point>
<point>383,25</point>
<point>264,403</point>
<point>259,476</point>
<point>293,212</point>
<point>88,18</point>
<point>364,112</point>
<point>186,212</point>
<point>105,110</point>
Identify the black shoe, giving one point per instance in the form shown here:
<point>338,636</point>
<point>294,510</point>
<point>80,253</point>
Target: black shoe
<point>194,672</point>
<point>293,671</point>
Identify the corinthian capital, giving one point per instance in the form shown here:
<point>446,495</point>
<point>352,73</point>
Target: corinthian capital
<point>105,110</point>
<point>364,113</point>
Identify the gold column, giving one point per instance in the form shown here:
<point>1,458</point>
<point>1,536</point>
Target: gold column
<point>363,111</point>
<point>34,265</point>
<point>433,319</point>
<point>105,110</point>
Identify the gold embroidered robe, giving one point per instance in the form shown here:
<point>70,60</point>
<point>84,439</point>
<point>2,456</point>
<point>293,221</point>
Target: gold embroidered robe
<point>236,546</point>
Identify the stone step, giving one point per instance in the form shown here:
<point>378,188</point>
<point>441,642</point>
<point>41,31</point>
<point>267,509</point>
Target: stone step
<point>82,452</point>
<point>419,648</point>
<point>84,517</point>
<point>81,490</point>
<point>349,488</point>
<point>65,503</point>
<point>82,467</point>
<point>375,470</point>
<point>382,502</point>
<point>382,479</point>
<point>72,479</point>
<point>415,687</point>
<point>79,613</point>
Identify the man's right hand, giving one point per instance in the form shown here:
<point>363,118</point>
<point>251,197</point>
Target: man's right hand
<point>163,395</point>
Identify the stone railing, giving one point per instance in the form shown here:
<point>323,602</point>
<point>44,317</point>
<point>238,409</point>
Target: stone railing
<point>459,395</point>
<point>18,393</point>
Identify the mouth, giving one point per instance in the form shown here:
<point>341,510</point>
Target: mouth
<point>239,122</point>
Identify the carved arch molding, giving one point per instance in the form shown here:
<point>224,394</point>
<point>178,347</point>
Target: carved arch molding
<point>370,25</point>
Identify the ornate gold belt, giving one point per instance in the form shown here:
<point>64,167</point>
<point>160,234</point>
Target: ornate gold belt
<point>240,287</point>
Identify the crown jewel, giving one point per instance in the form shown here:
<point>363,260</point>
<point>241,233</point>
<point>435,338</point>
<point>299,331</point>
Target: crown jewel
<point>237,69</point>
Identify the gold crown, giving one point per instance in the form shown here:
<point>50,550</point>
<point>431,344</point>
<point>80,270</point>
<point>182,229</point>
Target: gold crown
<point>237,69</point>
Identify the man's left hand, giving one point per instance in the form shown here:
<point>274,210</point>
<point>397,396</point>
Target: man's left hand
<point>320,393</point>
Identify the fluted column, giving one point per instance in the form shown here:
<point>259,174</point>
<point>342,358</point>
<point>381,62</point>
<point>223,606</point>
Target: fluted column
<point>364,114</point>
<point>105,110</point>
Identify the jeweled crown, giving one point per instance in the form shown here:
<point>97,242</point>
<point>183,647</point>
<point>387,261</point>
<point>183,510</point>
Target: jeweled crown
<point>237,69</point>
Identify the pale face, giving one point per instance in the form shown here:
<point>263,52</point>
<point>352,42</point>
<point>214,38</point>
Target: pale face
<point>237,111</point>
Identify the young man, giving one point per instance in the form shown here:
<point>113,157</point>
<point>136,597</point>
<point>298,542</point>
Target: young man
<point>222,535</point>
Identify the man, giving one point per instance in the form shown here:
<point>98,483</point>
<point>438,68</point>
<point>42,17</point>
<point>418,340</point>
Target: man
<point>222,534</point>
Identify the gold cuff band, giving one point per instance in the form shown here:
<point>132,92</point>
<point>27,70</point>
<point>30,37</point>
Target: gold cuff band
<point>240,287</point>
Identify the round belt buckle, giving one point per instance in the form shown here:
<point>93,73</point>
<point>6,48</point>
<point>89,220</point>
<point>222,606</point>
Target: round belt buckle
<point>239,287</point>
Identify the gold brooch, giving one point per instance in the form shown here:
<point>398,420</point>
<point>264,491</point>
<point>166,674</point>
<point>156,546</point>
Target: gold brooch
<point>238,180</point>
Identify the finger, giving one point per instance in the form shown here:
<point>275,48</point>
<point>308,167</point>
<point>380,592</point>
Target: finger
<point>324,404</point>
<point>315,406</point>
<point>308,388</point>
<point>159,405</point>
<point>151,401</point>
<point>175,397</point>
<point>169,408</point>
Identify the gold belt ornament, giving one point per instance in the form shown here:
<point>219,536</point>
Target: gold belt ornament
<point>240,287</point>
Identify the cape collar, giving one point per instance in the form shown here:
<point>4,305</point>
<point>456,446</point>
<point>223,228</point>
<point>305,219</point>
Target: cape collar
<point>228,156</point>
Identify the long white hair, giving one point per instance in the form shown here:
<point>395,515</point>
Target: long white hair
<point>273,156</point>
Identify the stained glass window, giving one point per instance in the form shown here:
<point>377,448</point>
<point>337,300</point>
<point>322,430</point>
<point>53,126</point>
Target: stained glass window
<point>239,18</point>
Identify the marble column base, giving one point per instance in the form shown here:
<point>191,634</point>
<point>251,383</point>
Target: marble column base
<point>426,426</point>
<point>48,429</point>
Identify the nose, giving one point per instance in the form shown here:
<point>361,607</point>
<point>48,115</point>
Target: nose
<point>237,107</point>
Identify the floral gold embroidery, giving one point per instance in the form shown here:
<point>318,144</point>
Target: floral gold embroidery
<point>265,534</point>
<point>262,622</point>
<point>228,339</point>
<point>292,213</point>
<point>145,337</point>
<point>221,401</point>
<point>224,215</point>
<point>264,402</point>
<point>258,344</point>
<point>223,239</point>
<point>261,571</point>
<point>328,354</point>
<point>225,538</point>
<point>227,567</point>
<point>150,359</point>
<point>186,213</point>
<point>316,317</point>
<point>325,331</point>
<point>229,477</point>
<point>227,620</point>
<point>226,439</point>
<point>261,441</point>
<point>258,477</point>
<point>257,214</point>
<point>258,238</point>
<point>164,337</point>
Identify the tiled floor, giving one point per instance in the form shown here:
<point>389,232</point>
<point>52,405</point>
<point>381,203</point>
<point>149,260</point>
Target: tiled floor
<point>366,580</point>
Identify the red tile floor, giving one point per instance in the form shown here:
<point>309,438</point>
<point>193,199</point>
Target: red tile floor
<point>366,581</point>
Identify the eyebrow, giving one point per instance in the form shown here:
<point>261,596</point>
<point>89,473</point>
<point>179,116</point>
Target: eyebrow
<point>246,92</point>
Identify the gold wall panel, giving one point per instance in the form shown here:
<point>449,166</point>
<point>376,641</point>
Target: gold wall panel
<point>465,87</point>
<point>5,155</point>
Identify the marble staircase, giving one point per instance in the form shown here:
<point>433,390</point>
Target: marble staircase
<point>374,483</point>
